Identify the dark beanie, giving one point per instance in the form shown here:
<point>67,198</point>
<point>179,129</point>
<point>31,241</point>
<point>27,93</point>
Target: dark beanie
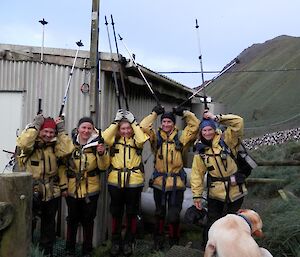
<point>85,119</point>
<point>169,115</point>
<point>207,123</point>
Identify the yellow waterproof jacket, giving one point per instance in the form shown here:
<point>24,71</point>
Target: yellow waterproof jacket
<point>168,151</point>
<point>126,169</point>
<point>41,160</point>
<point>81,175</point>
<point>217,165</point>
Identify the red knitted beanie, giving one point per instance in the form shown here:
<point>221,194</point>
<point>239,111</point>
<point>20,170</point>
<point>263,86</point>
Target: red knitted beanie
<point>48,123</point>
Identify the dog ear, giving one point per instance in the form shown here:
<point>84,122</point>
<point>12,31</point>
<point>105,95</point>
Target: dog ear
<point>258,233</point>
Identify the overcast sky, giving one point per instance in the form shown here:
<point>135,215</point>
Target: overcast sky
<point>161,33</point>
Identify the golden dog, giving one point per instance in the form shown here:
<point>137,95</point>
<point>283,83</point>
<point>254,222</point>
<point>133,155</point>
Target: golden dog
<point>230,236</point>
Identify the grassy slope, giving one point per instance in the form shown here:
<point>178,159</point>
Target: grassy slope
<point>263,98</point>
<point>280,218</point>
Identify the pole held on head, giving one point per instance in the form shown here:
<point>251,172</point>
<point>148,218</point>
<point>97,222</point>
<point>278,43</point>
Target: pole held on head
<point>201,66</point>
<point>119,60</point>
<point>144,78</point>
<point>43,22</point>
<point>79,44</point>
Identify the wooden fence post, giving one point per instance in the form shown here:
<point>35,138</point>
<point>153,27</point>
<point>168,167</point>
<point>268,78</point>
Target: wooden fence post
<point>16,190</point>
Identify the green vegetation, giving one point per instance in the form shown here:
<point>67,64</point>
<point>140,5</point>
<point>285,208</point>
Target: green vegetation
<point>264,99</point>
<point>280,217</point>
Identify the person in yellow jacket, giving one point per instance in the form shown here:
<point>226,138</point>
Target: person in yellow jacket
<point>125,178</point>
<point>41,145</point>
<point>225,185</point>
<point>169,178</point>
<point>81,180</point>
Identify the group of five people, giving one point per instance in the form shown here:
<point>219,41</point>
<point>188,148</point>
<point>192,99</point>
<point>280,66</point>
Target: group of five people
<point>70,167</point>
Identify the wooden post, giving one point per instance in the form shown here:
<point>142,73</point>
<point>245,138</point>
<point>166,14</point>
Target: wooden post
<point>94,60</point>
<point>16,189</point>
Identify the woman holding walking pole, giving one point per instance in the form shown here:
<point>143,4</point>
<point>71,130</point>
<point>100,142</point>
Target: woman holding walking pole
<point>125,178</point>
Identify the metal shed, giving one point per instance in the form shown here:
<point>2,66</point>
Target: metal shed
<point>20,75</point>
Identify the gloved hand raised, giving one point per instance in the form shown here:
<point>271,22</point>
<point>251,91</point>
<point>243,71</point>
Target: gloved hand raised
<point>158,109</point>
<point>119,115</point>
<point>178,110</point>
<point>38,121</point>
<point>129,116</point>
<point>60,124</point>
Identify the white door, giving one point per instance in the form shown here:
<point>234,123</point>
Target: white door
<point>10,119</point>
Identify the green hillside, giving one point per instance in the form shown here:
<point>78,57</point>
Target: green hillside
<point>264,87</point>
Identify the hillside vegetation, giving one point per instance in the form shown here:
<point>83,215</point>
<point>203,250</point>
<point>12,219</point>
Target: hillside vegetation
<point>264,87</point>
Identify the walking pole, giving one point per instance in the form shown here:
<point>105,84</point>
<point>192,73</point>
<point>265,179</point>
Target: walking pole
<point>136,65</point>
<point>201,66</point>
<point>231,64</point>
<point>114,73</point>
<point>43,22</point>
<point>121,71</point>
<point>79,44</point>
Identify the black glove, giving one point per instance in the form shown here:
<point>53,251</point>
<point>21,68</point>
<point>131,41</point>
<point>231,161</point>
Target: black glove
<point>178,110</point>
<point>240,178</point>
<point>158,109</point>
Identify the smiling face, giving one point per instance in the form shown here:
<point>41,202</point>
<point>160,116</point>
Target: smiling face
<point>47,134</point>
<point>208,133</point>
<point>125,129</point>
<point>85,131</point>
<point>167,125</point>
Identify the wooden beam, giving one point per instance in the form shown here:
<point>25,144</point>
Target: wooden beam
<point>279,163</point>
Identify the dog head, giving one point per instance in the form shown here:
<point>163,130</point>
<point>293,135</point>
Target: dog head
<point>255,220</point>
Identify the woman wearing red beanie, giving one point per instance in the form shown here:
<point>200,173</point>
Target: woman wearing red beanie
<point>41,144</point>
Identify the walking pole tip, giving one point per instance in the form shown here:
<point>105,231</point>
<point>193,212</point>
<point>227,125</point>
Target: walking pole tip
<point>43,22</point>
<point>79,43</point>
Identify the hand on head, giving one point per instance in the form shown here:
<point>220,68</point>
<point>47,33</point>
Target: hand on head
<point>178,110</point>
<point>119,115</point>
<point>208,115</point>
<point>158,109</point>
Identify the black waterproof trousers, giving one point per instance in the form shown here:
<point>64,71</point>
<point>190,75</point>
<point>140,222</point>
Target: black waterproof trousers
<point>83,211</point>
<point>124,200</point>
<point>47,212</point>
<point>218,209</point>
<point>168,206</point>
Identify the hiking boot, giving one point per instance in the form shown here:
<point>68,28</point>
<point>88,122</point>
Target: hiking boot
<point>173,241</point>
<point>70,253</point>
<point>115,249</point>
<point>159,242</point>
<point>128,249</point>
